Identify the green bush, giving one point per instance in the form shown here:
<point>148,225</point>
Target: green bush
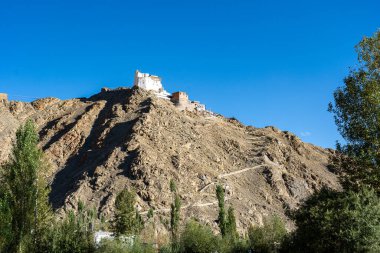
<point>117,246</point>
<point>71,235</point>
<point>231,244</point>
<point>197,238</point>
<point>269,237</point>
<point>331,221</point>
<point>166,249</point>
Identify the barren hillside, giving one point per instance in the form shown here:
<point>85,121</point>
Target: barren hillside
<point>130,138</point>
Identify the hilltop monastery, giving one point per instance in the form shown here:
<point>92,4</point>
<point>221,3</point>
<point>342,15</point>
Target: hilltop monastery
<point>180,99</point>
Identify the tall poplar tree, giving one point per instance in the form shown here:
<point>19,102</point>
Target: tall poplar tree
<point>175,210</point>
<point>25,193</point>
<point>222,221</point>
<point>231,224</point>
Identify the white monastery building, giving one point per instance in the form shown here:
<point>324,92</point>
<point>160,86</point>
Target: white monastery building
<point>147,81</point>
<point>180,99</point>
<point>150,82</point>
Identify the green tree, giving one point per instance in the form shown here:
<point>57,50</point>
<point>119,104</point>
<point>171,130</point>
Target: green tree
<point>222,221</point>
<point>356,111</point>
<point>43,214</point>
<point>74,234</point>
<point>25,194</point>
<point>118,246</point>
<point>231,230</point>
<point>127,219</point>
<point>331,221</point>
<point>173,186</point>
<point>175,210</point>
<point>269,237</point>
<point>175,216</point>
<point>197,238</point>
<point>5,220</point>
<point>150,213</point>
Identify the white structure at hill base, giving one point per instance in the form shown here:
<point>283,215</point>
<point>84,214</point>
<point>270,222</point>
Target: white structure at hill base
<point>150,82</point>
<point>101,235</point>
<point>104,235</point>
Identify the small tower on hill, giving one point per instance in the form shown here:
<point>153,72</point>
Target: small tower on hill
<point>180,97</point>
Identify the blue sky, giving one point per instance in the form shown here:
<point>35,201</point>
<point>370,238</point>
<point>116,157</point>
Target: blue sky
<point>263,62</point>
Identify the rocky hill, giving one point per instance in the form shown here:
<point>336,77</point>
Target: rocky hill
<point>130,138</point>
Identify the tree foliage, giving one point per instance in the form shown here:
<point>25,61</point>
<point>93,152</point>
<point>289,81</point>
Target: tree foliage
<point>117,246</point>
<point>356,111</point>
<point>331,221</point>
<point>197,238</point>
<point>175,210</point>
<point>269,237</point>
<point>24,206</point>
<point>231,230</point>
<point>5,219</point>
<point>173,186</point>
<point>150,213</point>
<point>349,221</point>
<point>127,219</point>
<point>175,216</point>
<point>222,221</point>
<point>74,234</point>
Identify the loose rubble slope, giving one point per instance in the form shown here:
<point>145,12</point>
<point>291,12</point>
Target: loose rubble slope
<point>130,138</point>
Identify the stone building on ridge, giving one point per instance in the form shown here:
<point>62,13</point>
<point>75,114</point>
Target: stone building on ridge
<point>181,100</point>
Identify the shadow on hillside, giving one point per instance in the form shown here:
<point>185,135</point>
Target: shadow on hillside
<point>95,150</point>
<point>62,132</point>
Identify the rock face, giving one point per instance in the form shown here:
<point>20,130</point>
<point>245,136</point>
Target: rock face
<point>130,138</point>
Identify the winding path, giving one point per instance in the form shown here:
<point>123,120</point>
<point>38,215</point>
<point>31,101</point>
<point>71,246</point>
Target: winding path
<point>267,162</point>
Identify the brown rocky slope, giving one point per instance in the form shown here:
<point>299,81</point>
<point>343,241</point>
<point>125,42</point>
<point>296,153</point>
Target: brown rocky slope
<point>130,138</point>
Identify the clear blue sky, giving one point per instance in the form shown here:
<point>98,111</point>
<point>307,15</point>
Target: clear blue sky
<point>264,62</point>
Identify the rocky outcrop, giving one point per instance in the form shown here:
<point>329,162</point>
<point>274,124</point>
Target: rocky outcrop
<point>130,138</point>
